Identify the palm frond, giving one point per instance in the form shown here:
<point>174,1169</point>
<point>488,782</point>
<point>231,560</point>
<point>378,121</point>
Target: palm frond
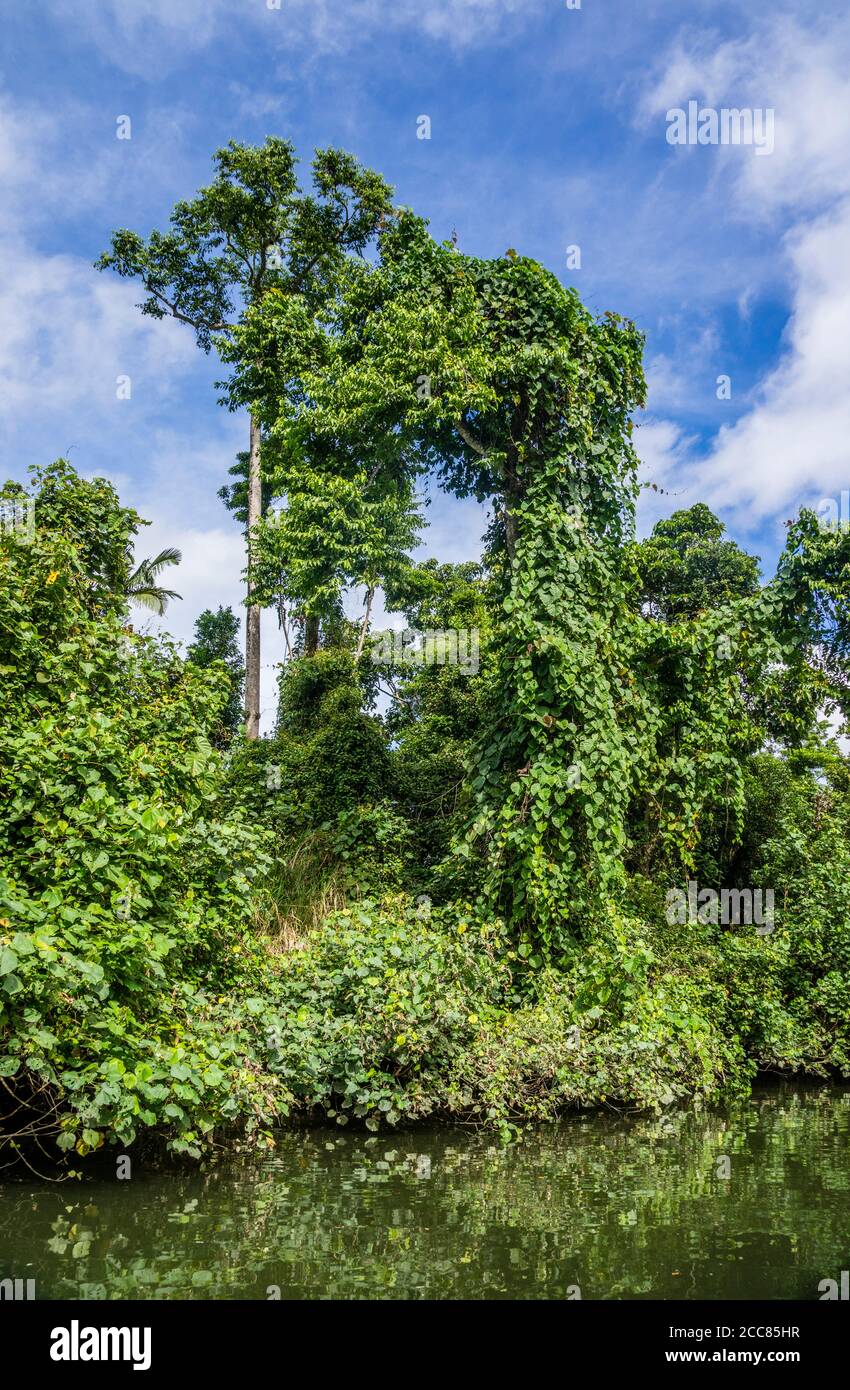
<point>169,556</point>
<point>141,586</point>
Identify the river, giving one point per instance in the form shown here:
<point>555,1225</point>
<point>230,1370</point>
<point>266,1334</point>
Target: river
<point>751,1201</point>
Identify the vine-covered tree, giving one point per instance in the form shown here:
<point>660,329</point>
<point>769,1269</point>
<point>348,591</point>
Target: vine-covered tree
<point>89,515</point>
<point>251,233</point>
<point>493,376</point>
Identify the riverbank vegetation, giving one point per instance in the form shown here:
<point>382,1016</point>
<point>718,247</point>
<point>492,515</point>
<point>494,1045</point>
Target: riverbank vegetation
<point>439,887</point>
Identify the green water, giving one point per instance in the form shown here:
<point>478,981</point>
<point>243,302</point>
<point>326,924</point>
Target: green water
<point>621,1208</point>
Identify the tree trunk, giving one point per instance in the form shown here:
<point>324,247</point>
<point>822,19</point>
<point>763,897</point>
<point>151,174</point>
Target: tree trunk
<point>311,637</point>
<point>364,626</point>
<point>252,620</point>
<point>512,483</point>
<point>510,532</point>
<point>512,500</point>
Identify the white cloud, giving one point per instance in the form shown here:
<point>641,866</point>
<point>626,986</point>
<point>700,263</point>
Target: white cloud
<point>151,37</point>
<point>794,444</point>
<point>208,575</point>
<point>67,334</point>
<point>57,167</point>
<point>663,449</point>
<point>790,445</point>
<point>801,72</point>
<point>679,381</point>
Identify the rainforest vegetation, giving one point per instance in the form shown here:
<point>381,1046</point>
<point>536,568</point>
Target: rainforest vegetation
<point>437,887</point>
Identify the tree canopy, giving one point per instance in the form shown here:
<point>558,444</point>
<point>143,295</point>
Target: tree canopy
<point>439,885</point>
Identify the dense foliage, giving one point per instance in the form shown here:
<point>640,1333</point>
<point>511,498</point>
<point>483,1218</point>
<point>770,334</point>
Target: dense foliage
<point>125,944</point>
<point>439,886</point>
<point>217,641</point>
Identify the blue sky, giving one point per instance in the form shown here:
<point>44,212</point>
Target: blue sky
<point>548,129</point>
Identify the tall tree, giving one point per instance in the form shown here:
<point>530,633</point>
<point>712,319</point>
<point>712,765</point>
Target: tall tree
<point>494,376</point>
<point>253,232</point>
<point>343,525</point>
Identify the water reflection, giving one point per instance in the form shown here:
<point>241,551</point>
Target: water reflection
<point>750,1202</point>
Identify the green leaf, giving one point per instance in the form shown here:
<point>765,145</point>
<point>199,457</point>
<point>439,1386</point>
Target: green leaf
<point>8,960</point>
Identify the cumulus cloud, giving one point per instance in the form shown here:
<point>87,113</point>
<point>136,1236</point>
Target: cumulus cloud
<point>67,335</point>
<point>800,72</point>
<point>792,446</point>
<point>789,445</point>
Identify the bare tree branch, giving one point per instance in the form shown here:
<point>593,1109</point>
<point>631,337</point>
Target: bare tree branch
<point>469,438</point>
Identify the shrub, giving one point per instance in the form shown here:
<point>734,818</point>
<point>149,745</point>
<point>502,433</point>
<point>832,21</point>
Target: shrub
<point>125,904</point>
